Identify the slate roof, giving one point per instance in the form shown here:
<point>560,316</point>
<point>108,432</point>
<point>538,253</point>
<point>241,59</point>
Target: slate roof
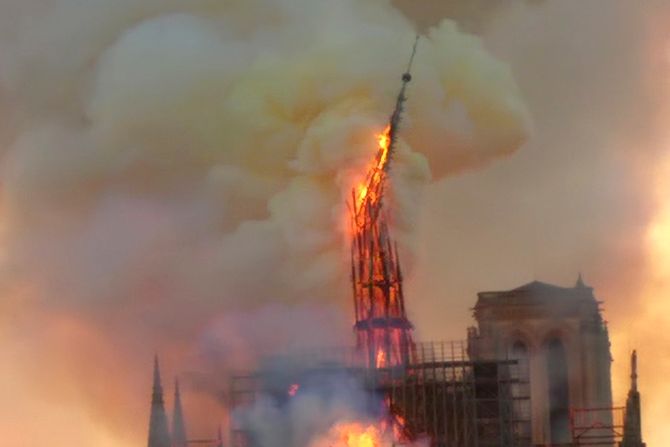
<point>539,295</point>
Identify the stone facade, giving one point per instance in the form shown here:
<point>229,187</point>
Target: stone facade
<point>559,337</point>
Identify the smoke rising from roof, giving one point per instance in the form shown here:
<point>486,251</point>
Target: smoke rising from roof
<point>129,223</point>
<point>588,192</point>
<point>165,164</point>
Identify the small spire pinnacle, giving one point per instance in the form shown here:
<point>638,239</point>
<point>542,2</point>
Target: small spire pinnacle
<point>580,282</point>
<point>178,426</point>
<point>157,389</point>
<point>159,435</point>
<point>633,371</point>
<point>632,428</point>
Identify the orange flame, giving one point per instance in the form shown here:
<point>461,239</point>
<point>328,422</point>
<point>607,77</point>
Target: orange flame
<point>355,434</point>
<point>389,431</point>
<point>375,174</point>
<point>398,426</point>
<point>381,358</point>
<point>358,434</point>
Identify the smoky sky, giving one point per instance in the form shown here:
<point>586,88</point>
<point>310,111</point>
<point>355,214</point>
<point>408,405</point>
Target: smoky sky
<point>576,196</point>
<point>174,179</point>
<point>579,196</point>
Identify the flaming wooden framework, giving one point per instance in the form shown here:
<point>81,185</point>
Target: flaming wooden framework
<point>383,331</point>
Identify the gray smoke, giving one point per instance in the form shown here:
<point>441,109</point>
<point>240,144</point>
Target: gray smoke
<point>167,163</point>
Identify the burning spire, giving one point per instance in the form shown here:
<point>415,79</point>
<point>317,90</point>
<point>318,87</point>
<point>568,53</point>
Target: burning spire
<point>371,192</point>
<point>383,332</point>
<point>159,436</point>
<point>178,428</point>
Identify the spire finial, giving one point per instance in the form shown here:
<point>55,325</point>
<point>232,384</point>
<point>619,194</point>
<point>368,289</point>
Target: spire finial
<point>396,116</point>
<point>632,427</point>
<point>407,76</point>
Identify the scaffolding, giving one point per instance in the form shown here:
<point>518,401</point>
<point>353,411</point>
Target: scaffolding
<point>442,395</point>
<point>596,426</point>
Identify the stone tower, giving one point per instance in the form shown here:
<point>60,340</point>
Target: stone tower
<point>159,436</point>
<point>560,340</point>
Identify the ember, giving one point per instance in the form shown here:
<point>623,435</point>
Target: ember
<point>293,389</point>
<point>370,190</point>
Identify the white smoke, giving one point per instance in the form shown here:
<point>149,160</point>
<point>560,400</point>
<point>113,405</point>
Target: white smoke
<point>167,161</point>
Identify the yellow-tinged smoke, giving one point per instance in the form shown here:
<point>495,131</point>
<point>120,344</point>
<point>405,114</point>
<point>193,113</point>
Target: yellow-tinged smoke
<point>644,326</point>
<point>169,162</point>
<point>646,330</point>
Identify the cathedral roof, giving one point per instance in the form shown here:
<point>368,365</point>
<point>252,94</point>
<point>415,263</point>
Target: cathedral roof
<point>538,298</point>
<point>538,286</point>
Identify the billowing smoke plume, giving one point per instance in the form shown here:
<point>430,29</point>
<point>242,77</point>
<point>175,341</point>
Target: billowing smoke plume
<point>588,193</point>
<point>167,164</point>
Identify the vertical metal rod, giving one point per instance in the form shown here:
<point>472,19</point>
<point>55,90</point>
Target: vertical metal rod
<point>433,402</point>
<point>475,431</point>
<point>424,389</point>
<point>454,403</point>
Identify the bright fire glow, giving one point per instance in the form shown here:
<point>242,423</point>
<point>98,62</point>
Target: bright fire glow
<point>374,262</point>
<point>356,437</point>
<point>398,426</point>
<point>644,327</point>
<point>352,434</point>
<point>358,434</point>
<point>644,333</point>
<point>368,189</point>
<point>390,431</point>
<point>381,358</point>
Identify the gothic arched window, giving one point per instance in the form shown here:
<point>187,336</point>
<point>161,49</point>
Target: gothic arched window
<point>520,390</point>
<point>559,391</point>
